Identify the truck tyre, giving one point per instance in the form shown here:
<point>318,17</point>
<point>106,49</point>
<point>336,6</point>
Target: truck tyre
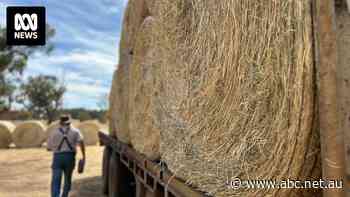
<point>113,186</point>
<point>105,169</point>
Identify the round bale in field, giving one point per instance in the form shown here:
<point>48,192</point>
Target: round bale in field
<point>6,128</point>
<point>89,130</point>
<point>29,134</point>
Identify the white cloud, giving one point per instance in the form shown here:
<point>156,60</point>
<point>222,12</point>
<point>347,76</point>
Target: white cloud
<point>86,74</point>
<point>86,90</point>
<point>89,62</point>
<point>86,42</point>
<point>3,14</point>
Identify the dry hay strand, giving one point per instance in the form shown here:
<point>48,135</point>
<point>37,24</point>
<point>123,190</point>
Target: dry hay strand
<point>144,133</point>
<point>343,71</point>
<point>29,134</point>
<point>56,124</point>
<point>237,93</point>
<point>89,130</point>
<point>136,11</point>
<point>119,99</point>
<point>111,109</point>
<point>6,129</point>
<point>153,7</point>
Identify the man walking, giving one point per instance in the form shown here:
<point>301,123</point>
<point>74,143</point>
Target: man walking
<point>63,142</point>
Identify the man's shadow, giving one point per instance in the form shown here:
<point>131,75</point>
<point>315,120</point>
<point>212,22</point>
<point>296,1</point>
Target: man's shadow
<point>87,187</point>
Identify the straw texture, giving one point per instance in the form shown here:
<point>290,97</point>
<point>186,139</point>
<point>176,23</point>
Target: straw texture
<point>144,133</point>
<point>112,106</point>
<point>6,129</point>
<point>136,11</point>
<point>29,134</point>
<point>89,130</point>
<point>119,116</point>
<point>343,72</point>
<point>237,93</point>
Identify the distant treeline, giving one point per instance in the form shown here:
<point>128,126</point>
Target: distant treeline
<point>76,113</point>
<point>85,114</point>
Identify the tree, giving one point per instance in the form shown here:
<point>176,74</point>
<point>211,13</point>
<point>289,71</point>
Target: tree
<point>84,115</point>
<point>102,102</point>
<point>13,60</point>
<point>7,90</point>
<point>42,96</point>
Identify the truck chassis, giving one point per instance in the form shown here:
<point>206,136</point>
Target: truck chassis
<point>126,173</point>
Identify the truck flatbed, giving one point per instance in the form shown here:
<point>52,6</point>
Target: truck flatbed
<point>126,173</point>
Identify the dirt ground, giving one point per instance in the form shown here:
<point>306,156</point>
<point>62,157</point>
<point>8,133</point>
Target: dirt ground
<point>27,172</point>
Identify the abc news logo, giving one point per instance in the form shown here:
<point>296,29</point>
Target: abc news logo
<point>26,25</point>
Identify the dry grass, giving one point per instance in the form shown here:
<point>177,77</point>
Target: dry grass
<point>119,99</point>
<point>89,130</point>
<point>343,71</point>
<point>29,134</point>
<point>6,129</point>
<point>144,134</point>
<point>237,92</point>
<point>27,172</point>
<point>134,15</point>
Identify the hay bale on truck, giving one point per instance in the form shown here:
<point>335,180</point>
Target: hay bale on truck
<point>119,99</point>
<point>89,130</point>
<point>135,14</point>
<point>112,101</point>
<point>29,134</point>
<point>136,11</point>
<point>144,133</point>
<point>6,129</point>
<point>343,71</point>
<point>237,88</point>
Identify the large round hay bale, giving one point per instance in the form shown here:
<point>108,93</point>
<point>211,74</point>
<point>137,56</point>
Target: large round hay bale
<point>136,11</point>
<point>238,86</point>
<point>343,73</point>
<point>6,129</point>
<point>134,15</point>
<point>110,123</point>
<point>144,133</point>
<point>112,95</point>
<point>29,134</point>
<point>153,7</point>
<point>119,99</point>
<point>89,130</point>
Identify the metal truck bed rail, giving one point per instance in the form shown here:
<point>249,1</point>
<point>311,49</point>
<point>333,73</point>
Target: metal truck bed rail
<point>151,176</point>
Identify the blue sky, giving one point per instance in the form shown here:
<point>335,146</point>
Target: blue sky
<point>86,46</point>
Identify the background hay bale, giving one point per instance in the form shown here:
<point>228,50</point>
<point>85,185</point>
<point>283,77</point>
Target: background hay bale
<point>119,99</point>
<point>136,11</point>
<point>237,93</point>
<point>29,134</point>
<point>89,130</point>
<point>144,133</point>
<point>6,129</point>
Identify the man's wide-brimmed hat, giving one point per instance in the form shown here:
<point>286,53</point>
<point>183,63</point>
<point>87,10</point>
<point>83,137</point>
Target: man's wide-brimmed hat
<point>65,120</point>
